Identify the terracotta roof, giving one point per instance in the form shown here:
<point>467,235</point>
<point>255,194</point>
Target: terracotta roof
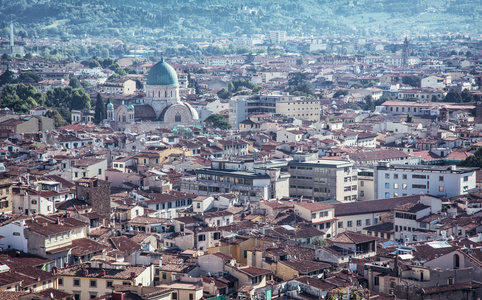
<point>349,237</point>
<point>124,244</point>
<point>313,206</point>
<point>86,246</point>
<point>252,271</point>
<point>306,266</point>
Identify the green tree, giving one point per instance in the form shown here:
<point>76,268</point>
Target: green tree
<point>6,77</point>
<point>58,120</point>
<point>409,119</point>
<point>21,98</point>
<point>217,121</point>
<point>453,96</point>
<point>29,77</point>
<point>5,56</point>
<point>300,61</point>
<point>467,96</point>
<point>94,64</point>
<point>223,94</point>
<point>75,83</point>
<point>100,110</point>
<point>340,93</point>
<point>80,100</point>
<point>319,242</point>
<point>28,56</point>
<point>369,105</point>
<point>413,81</point>
<point>473,160</point>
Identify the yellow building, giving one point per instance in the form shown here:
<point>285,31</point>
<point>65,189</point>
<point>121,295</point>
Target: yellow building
<point>6,196</point>
<point>87,283</point>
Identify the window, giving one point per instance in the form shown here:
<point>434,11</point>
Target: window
<point>466,178</point>
<point>387,195</point>
<point>440,178</point>
<point>404,176</point>
<point>395,185</point>
<point>77,296</point>
<point>76,282</point>
<point>313,215</point>
<point>395,176</point>
<point>362,193</point>
<point>387,176</point>
<point>109,284</point>
<point>322,226</point>
<point>191,296</point>
<point>201,237</point>
<point>441,188</point>
<point>404,186</point>
<point>387,185</point>
<point>164,276</point>
<point>328,225</point>
<point>450,281</point>
<point>174,296</point>
<point>61,281</point>
<point>358,223</point>
<point>93,283</point>
<point>340,224</point>
<point>100,171</point>
<point>362,183</point>
<point>367,222</point>
<point>349,224</point>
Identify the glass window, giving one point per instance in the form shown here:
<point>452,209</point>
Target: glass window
<point>387,185</point>
<point>340,224</point>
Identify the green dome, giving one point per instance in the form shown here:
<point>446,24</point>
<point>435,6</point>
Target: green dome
<point>130,107</point>
<point>162,74</point>
<point>110,106</point>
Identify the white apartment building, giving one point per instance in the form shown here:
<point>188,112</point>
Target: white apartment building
<point>403,180</point>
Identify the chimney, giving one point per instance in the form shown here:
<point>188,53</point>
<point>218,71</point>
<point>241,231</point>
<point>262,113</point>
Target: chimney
<point>133,275</point>
<point>139,289</point>
<point>117,295</point>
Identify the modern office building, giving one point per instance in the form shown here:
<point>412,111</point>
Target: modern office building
<point>436,180</point>
<point>322,179</point>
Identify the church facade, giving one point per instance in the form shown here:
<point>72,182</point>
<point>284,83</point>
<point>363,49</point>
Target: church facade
<point>162,103</point>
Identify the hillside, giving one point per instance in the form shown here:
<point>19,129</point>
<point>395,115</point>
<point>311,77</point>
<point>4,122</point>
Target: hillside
<point>163,20</point>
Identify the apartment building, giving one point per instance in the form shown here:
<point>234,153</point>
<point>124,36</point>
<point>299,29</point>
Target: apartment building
<point>250,181</point>
<point>240,107</point>
<point>403,180</point>
<point>322,179</point>
<point>87,283</point>
<point>321,215</point>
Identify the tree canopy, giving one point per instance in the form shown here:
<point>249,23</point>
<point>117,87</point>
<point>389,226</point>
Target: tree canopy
<point>21,98</point>
<point>217,121</point>
<point>473,160</point>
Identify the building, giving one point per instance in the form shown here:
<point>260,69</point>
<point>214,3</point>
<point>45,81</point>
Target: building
<point>277,36</point>
<point>241,107</point>
<point>96,192</point>
<point>322,179</point>
<point>87,283</point>
<point>122,86</point>
<point>320,215</point>
<point>249,181</point>
<point>162,102</point>
<point>403,180</point>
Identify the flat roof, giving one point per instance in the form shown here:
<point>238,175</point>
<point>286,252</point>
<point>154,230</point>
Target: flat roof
<point>436,168</point>
<point>327,163</point>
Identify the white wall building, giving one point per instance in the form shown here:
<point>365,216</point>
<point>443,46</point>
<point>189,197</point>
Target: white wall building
<point>403,180</point>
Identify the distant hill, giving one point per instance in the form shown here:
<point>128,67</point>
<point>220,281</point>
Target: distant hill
<point>161,20</point>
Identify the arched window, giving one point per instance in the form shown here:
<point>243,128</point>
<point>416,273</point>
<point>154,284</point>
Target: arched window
<point>177,118</point>
<point>456,261</point>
